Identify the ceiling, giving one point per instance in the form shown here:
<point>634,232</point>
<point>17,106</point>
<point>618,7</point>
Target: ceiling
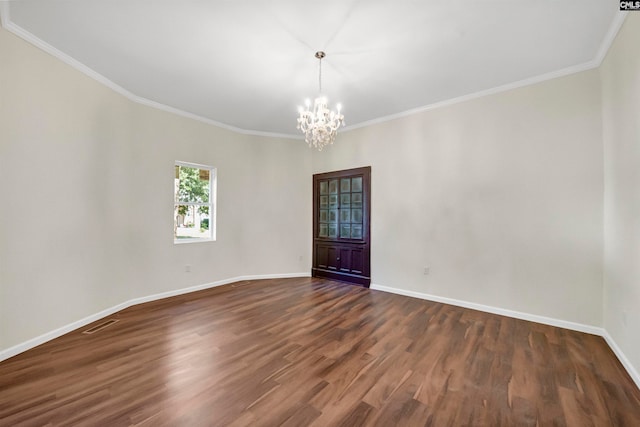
<point>248,64</point>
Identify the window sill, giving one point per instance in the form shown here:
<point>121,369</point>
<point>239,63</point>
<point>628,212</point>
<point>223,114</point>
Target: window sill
<point>187,241</point>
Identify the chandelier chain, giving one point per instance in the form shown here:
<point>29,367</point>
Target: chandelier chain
<point>320,76</point>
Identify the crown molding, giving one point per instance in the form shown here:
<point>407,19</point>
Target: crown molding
<point>492,91</point>
<point>79,66</point>
<point>614,28</point>
<point>5,16</point>
<point>5,20</point>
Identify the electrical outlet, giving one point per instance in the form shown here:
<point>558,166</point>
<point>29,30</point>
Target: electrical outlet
<point>426,271</point>
<point>187,268</point>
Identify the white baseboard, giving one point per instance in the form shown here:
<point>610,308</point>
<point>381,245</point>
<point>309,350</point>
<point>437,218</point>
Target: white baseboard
<point>633,373</point>
<point>17,349</point>
<point>34,342</point>
<point>595,330</point>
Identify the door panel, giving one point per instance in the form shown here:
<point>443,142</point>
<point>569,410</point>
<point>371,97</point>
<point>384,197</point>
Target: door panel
<point>322,256</point>
<point>333,260</point>
<point>345,260</point>
<point>357,261</point>
<point>341,225</point>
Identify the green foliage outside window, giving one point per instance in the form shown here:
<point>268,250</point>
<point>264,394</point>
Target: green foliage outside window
<point>192,205</point>
<point>192,188</point>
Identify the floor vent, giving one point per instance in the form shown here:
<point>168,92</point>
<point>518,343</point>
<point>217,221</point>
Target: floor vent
<point>100,326</point>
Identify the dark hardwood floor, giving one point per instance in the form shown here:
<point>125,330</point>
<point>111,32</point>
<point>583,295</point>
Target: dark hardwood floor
<point>299,352</point>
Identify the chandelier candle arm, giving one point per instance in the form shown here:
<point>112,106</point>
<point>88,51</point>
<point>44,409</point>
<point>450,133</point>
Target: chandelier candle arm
<point>320,125</point>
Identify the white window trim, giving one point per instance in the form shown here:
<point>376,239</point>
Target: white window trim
<point>213,198</point>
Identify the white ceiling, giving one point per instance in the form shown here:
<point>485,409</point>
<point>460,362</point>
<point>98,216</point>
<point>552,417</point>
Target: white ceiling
<point>248,64</point>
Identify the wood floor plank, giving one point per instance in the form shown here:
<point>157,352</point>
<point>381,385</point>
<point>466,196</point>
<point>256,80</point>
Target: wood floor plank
<point>313,352</point>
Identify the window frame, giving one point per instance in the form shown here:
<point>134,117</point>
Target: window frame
<point>213,179</point>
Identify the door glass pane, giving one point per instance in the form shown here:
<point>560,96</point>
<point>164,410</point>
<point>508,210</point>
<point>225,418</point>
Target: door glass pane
<point>324,187</point>
<point>324,215</point>
<point>345,200</point>
<point>344,215</point>
<point>345,185</point>
<point>356,215</point>
<point>356,200</point>
<point>333,216</point>
<point>324,202</point>
<point>324,230</point>
<point>356,231</point>
<point>333,186</point>
<point>333,231</point>
<point>345,231</point>
<point>356,184</point>
<point>333,201</point>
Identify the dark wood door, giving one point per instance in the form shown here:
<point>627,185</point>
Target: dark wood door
<point>341,225</point>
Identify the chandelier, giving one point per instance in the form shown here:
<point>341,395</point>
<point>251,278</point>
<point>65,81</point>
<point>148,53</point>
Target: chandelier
<point>320,125</point>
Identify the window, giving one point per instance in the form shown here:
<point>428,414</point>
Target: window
<point>194,209</point>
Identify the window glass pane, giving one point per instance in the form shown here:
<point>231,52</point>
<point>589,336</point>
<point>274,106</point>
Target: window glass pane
<point>345,185</point>
<point>192,185</point>
<point>356,184</point>
<point>324,215</point>
<point>345,200</point>
<point>333,186</point>
<point>324,202</point>
<point>324,230</point>
<point>356,200</point>
<point>356,231</point>
<point>333,201</point>
<point>324,187</point>
<point>191,222</point>
<point>333,231</point>
<point>356,215</point>
<point>333,216</point>
<point>194,203</point>
<point>345,231</point>
<point>344,215</point>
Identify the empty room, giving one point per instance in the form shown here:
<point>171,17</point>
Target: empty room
<point>339,213</point>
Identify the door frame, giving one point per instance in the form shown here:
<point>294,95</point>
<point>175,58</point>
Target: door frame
<point>363,279</point>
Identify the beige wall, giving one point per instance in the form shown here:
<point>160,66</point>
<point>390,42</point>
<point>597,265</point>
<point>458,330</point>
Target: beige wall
<point>86,178</point>
<point>621,113</point>
<point>500,196</point>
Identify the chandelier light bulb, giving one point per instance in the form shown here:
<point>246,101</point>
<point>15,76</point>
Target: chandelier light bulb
<point>320,125</point>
